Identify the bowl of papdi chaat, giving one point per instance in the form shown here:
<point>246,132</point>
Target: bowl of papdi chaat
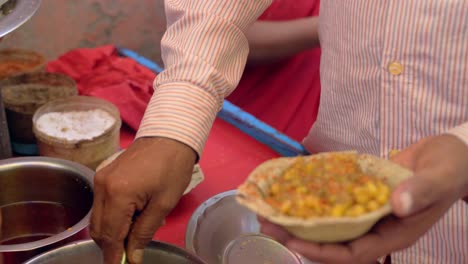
<point>325,197</point>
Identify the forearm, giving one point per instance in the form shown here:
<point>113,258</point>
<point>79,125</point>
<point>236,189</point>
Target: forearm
<point>275,40</point>
<point>204,51</point>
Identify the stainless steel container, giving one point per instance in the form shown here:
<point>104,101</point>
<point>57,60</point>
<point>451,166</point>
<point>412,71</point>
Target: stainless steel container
<point>255,248</point>
<point>222,231</point>
<point>88,252</point>
<point>17,13</point>
<point>44,203</point>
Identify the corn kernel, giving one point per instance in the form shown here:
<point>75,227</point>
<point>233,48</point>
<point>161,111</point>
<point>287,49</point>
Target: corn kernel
<point>346,201</point>
<point>362,198</point>
<point>286,206</point>
<point>360,209</point>
<point>372,189</point>
<point>372,205</point>
<point>338,210</point>
<point>382,198</point>
<point>360,195</point>
<point>356,210</point>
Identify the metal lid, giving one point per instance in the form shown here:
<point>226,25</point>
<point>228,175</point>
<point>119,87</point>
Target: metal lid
<point>259,249</point>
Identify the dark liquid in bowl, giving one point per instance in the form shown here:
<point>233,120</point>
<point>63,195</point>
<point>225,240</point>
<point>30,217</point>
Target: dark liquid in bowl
<point>31,221</point>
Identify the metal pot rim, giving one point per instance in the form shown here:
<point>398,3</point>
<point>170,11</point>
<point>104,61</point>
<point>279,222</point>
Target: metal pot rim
<point>79,169</point>
<point>22,12</point>
<point>152,244</point>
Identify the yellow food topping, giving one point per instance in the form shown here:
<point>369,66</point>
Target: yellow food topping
<point>355,210</point>
<point>332,186</point>
<point>372,206</point>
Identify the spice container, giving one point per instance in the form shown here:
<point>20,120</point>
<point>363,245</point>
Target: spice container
<point>23,94</point>
<point>17,61</point>
<point>79,128</point>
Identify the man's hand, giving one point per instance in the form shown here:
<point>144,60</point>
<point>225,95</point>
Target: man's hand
<point>134,194</point>
<point>440,165</point>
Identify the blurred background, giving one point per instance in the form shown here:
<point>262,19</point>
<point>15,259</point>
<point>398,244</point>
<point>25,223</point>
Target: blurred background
<point>60,26</point>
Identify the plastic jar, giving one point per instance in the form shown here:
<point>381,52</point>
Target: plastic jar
<point>17,61</point>
<point>23,94</point>
<point>87,151</point>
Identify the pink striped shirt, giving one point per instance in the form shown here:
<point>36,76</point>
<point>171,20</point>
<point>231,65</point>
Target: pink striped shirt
<point>392,72</point>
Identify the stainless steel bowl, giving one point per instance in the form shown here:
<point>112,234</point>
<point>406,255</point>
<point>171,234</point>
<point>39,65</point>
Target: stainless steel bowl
<point>15,13</point>
<point>88,252</point>
<point>44,203</point>
<point>217,222</point>
<point>220,228</point>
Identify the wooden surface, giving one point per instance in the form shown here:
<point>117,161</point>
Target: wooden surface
<point>5,147</point>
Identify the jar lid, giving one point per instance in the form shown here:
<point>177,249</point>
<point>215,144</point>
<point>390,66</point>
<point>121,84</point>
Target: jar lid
<point>17,61</point>
<point>26,92</point>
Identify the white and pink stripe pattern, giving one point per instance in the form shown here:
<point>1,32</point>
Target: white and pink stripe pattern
<point>365,104</point>
<point>204,52</point>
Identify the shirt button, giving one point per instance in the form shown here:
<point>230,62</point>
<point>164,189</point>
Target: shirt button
<point>395,68</point>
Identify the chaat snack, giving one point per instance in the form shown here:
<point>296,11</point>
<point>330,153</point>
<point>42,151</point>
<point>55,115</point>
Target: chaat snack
<point>327,197</point>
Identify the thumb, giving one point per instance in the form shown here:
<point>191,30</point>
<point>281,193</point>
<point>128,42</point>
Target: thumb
<point>419,192</point>
<point>143,230</point>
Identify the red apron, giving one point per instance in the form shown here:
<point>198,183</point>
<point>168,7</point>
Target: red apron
<point>285,94</point>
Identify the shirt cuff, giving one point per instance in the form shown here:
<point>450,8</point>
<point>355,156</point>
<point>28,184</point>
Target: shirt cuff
<point>182,112</point>
<point>460,132</point>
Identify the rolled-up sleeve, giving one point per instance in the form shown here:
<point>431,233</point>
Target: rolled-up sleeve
<point>204,51</point>
<point>461,132</point>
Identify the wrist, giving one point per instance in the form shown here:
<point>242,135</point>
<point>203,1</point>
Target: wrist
<point>175,147</point>
<point>456,141</point>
